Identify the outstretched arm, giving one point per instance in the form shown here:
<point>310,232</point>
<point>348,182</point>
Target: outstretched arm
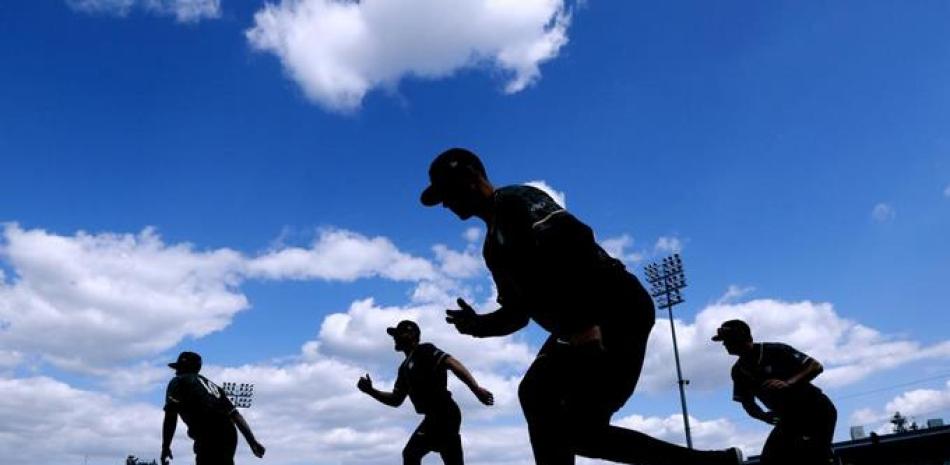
<point>392,399</point>
<point>242,426</point>
<point>501,322</point>
<point>483,395</point>
<point>168,432</point>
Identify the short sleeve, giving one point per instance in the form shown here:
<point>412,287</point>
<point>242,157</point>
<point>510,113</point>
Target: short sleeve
<point>173,397</point>
<point>430,355</point>
<point>789,356</point>
<point>741,386</point>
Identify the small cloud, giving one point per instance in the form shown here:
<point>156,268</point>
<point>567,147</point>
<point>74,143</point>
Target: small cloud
<point>883,212</point>
<point>557,195</point>
<point>617,248</point>
<point>668,244</point>
<point>734,293</point>
<point>472,234</point>
<point>946,192</point>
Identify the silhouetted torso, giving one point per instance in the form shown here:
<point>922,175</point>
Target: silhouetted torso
<point>423,376</point>
<point>770,360</point>
<point>546,263</point>
<point>202,405</point>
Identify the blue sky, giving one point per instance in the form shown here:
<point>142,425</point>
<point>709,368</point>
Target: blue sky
<point>795,151</point>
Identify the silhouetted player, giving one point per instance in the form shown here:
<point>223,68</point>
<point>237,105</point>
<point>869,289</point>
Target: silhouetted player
<point>547,267</point>
<point>422,377</point>
<point>208,413</point>
<point>780,377</point>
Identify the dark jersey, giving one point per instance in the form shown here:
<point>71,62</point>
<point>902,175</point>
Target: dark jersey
<point>202,405</point>
<point>547,265</point>
<point>771,360</point>
<point>422,376</point>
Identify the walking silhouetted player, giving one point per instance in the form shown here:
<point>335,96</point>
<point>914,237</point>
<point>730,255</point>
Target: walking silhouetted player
<point>208,413</point>
<point>422,376</point>
<point>780,377</point>
<point>547,267</point>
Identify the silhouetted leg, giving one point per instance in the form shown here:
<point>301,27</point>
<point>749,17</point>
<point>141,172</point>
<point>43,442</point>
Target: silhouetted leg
<point>449,423</point>
<point>451,451</point>
<point>540,393</point>
<point>776,449</point>
<point>418,446</point>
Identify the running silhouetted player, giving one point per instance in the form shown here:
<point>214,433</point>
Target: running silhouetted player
<point>422,377</point>
<point>547,267</point>
<point>780,377</point>
<point>208,413</point>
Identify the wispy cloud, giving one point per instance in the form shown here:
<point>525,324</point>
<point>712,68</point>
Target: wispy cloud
<point>883,212</point>
<point>339,50</point>
<point>185,11</point>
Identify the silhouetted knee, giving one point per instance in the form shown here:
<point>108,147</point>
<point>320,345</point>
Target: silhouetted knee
<point>412,455</point>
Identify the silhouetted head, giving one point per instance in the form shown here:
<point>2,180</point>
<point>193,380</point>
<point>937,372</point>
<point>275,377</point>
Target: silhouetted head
<point>405,335</point>
<point>458,181</point>
<point>735,335</point>
<point>188,362</point>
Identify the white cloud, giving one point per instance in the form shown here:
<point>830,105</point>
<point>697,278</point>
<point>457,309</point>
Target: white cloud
<point>185,11</point>
<point>946,192</point>
<point>849,350</point>
<point>714,434</point>
<point>457,264</point>
<point>341,255</point>
<point>339,50</point>
<point>617,248</point>
<point>555,194</point>
<point>668,245</point>
<point>75,299</point>
<point>47,421</point>
<point>472,234</point>
<point>89,301</point>
<point>883,212</point>
<point>921,404</point>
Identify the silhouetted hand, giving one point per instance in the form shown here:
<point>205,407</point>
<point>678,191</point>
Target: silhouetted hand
<point>485,396</point>
<point>257,449</point>
<point>771,418</point>
<point>775,384</point>
<point>464,318</point>
<point>365,384</point>
<point>166,455</point>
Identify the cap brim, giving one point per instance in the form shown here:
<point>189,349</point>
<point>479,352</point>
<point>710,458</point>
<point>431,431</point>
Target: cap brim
<point>173,365</point>
<point>431,196</point>
<point>391,331</point>
<point>717,338</point>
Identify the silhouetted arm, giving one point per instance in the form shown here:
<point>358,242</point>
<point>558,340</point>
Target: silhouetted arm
<point>755,411</point>
<point>501,322</point>
<point>462,373</point>
<point>168,432</point>
<point>392,399</point>
<point>245,430</point>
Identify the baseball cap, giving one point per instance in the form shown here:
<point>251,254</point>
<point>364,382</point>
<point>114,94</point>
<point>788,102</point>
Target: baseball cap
<point>733,329</point>
<point>449,166</point>
<point>403,326</point>
<point>187,360</point>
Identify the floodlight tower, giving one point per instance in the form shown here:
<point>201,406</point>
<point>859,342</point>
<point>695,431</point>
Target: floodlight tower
<point>666,279</point>
<point>241,395</point>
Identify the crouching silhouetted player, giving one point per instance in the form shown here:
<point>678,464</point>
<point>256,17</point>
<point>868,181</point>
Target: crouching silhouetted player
<point>208,413</point>
<point>780,377</point>
<point>547,267</point>
<point>422,376</point>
